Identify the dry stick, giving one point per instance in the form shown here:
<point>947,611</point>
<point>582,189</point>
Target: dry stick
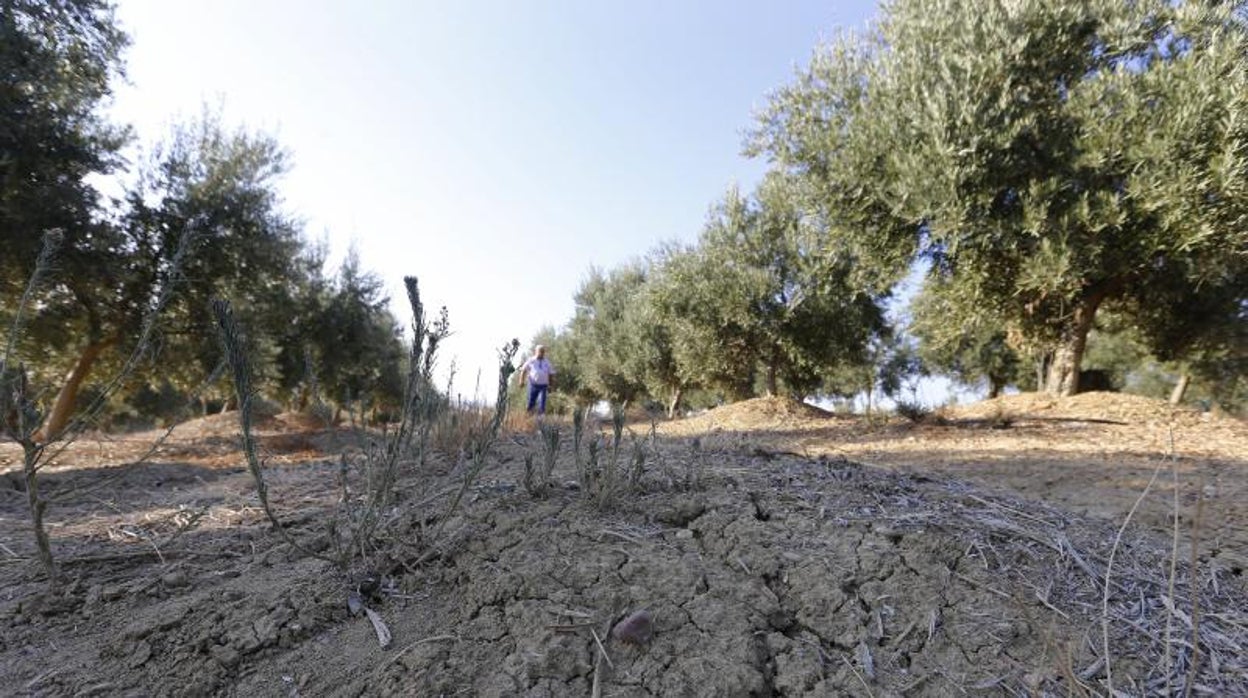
<point>1195,585</point>
<point>405,650</point>
<point>860,679</point>
<point>1109,565</point>
<point>1174,559</point>
<point>596,691</point>
<point>21,432</point>
<point>602,649</point>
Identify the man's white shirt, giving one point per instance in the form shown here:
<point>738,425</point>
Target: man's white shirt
<point>539,370</point>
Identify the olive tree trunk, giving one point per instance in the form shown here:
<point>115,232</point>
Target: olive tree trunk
<point>1067,358</point>
<point>1180,389</point>
<point>63,407</point>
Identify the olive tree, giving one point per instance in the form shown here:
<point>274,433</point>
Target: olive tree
<point>1048,157</point>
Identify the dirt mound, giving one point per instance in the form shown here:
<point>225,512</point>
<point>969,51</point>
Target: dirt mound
<point>298,421</point>
<point>1119,407</point>
<point>221,424</point>
<point>757,414</point>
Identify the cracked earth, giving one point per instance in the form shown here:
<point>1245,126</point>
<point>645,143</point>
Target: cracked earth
<point>779,575</point>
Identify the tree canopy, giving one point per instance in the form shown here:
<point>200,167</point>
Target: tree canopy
<point>764,303</point>
<point>1046,157</point>
<point>200,219</point>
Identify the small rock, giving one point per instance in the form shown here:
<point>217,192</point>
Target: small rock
<point>225,655</point>
<point>681,512</point>
<point>637,628</point>
<point>142,652</point>
<point>176,578</point>
<point>93,600</point>
<point>355,603</point>
<point>112,592</point>
<point>684,534</point>
<point>266,631</point>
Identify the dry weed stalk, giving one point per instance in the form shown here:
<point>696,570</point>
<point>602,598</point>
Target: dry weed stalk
<point>421,409</point>
<point>636,461</point>
<point>695,465</point>
<point>1174,560</point>
<point>20,417</point>
<point>483,443</point>
<point>233,345</point>
<point>601,475</point>
<point>1197,526</point>
<point>1109,567</point>
<point>578,436</point>
<point>537,480</point>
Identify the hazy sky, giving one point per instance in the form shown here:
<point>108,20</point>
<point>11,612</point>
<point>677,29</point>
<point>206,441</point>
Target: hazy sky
<point>496,150</point>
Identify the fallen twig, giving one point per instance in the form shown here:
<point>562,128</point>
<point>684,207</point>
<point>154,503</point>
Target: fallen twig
<point>602,649</point>
<point>383,633</point>
<point>860,679</point>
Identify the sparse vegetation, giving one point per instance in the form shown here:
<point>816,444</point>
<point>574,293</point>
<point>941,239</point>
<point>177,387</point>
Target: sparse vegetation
<point>537,476</point>
<point>1025,545</point>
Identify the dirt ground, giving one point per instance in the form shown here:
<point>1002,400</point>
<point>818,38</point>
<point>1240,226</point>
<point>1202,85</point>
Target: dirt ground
<point>1094,453</point>
<point>768,549</point>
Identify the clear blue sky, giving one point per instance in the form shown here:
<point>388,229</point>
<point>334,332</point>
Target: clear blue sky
<point>496,150</point>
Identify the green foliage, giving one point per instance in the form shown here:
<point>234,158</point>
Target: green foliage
<point>765,297</point>
<point>356,341</point>
<point>1046,157</point>
<point>58,59</point>
<point>961,338</point>
<point>607,333</point>
<point>1121,348</point>
<point>201,213</point>
<point>765,302</point>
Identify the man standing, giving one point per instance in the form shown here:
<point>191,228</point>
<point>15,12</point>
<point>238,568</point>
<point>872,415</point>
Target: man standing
<point>540,374</point>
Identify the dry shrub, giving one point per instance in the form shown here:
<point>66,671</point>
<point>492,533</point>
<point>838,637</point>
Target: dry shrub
<point>21,420</point>
<point>454,430</point>
<point>537,476</point>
